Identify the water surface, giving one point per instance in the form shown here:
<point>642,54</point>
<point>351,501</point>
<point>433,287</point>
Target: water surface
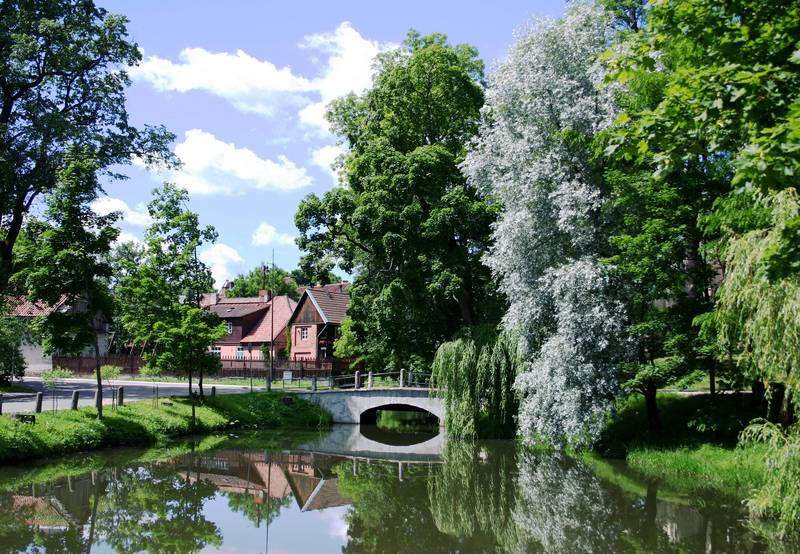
<point>354,491</point>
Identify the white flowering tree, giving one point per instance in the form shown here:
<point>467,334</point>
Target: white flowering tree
<point>544,107</point>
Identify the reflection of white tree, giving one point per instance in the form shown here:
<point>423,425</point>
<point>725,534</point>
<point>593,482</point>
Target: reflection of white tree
<point>562,506</point>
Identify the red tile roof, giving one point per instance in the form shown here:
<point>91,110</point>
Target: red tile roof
<point>263,332</point>
<point>332,306</point>
<point>22,307</point>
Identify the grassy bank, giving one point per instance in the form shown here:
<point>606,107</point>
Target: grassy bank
<point>143,423</point>
<point>696,451</point>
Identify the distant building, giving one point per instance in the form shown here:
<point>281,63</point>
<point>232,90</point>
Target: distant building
<point>36,360</point>
<point>316,322</point>
<point>252,323</point>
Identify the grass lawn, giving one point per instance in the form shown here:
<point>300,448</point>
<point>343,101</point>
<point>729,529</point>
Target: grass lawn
<point>144,423</point>
<point>696,450</point>
<point>16,388</point>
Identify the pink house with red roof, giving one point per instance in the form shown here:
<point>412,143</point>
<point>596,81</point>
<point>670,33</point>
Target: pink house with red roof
<point>253,324</point>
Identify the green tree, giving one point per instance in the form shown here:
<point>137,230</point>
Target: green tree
<point>159,297</point>
<point>323,275</point>
<point>65,259</point>
<point>407,223</point>
<point>279,281</point>
<point>62,89</point>
<point>12,336</point>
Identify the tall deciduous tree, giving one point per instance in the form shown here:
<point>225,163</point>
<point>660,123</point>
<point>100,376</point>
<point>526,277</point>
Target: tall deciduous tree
<point>534,154</point>
<point>66,258</point>
<point>277,280</point>
<point>406,222</point>
<point>159,297</point>
<point>62,89</point>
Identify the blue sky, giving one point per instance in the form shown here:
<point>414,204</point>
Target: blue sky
<point>243,85</point>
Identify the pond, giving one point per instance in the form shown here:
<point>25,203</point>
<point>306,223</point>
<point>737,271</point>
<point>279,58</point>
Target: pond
<point>353,490</point>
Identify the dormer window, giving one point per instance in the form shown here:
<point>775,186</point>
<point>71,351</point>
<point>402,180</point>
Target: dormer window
<point>229,326</point>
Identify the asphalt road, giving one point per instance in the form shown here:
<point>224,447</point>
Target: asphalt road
<point>134,390</point>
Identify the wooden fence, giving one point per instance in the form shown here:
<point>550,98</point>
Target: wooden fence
<point>230,367</point>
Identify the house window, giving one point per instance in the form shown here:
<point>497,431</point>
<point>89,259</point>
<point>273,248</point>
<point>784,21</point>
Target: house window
<point>229,326</point>
<point>240,352</point>
<point>303,333</point>
<point>216,351</point>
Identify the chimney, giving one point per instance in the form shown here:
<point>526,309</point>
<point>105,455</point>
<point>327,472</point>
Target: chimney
<point>214,298</point>
<point>265,295</point>
<point>341,286</point>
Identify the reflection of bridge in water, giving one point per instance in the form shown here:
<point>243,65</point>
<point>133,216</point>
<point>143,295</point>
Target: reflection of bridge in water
<point>308,474</point>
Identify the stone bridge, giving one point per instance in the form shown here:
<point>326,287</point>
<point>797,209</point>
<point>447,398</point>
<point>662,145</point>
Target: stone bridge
<point>361,405</point>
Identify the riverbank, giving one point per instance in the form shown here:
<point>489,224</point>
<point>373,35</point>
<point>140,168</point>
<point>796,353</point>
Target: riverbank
<point>696,451</point>
<point>145,423</point>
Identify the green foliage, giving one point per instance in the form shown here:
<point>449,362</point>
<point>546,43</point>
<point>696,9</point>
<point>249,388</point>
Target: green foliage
<point>475,376</point>
<point>687,422</point>
<point>65,259</point>
<point>159,290</point>
<point>406,223</point>
<point>779,497</point>
<point>279,281</point>
<point>12,336</point>
<point>52,377</point>
<point>758,316</point>
<point>143,423</point>
<point>63,65</point>
<point>110,372</point>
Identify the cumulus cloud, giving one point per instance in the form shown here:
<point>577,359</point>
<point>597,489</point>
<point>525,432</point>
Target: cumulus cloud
<point>259,86</point>
<point>222,260</point>
<point>349,69</point>
<point>124,237</point>
<point>107,204</point>
<point>325,157</point>
<point>266,234</point>
<point>212,166</point>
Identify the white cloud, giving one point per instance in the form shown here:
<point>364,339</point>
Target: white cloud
<point>325,157</point>
<point>124,237</point>
<point>107,204</point>
<point>221,259</point>
<point>252,85</point>
<point>213,166</point>
<point>259,86</point>
<point>267,234</point>
<point>349,69</point>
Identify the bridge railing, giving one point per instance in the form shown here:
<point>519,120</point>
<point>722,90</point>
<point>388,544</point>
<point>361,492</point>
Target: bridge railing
<point>357,380</point>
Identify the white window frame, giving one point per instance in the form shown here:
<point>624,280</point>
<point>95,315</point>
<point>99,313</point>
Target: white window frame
<point>303,333</point>
<point>216,351</point>
<point>240,352</point>
<point>229,327</point>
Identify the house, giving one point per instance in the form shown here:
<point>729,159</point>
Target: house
<point>36,360</point>
<point>253,323</point>
<point>316,322</point>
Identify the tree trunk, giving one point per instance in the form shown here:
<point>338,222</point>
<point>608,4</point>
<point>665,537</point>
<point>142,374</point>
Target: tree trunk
<point>776,401</point>
<point>757,392</point>
<point>712,379</point>
<point>200,381</point>
<point>653,418</point>
<point>99,396</point>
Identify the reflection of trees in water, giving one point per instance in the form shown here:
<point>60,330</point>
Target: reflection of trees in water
<point>563,507</point>
<point>156,509</point>
<point>473,494</point>
<point>257,513</point>
<point>388,515</point>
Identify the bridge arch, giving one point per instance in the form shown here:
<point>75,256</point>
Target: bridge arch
<point>347,406</point>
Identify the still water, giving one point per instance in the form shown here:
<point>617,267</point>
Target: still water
<point>354,490</point>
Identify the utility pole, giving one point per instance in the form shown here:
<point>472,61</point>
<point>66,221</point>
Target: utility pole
<point>272,328</point>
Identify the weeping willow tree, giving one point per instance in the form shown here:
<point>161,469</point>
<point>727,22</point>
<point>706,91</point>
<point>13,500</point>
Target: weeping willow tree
<point>759,315</point>
<point>475,377</point>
